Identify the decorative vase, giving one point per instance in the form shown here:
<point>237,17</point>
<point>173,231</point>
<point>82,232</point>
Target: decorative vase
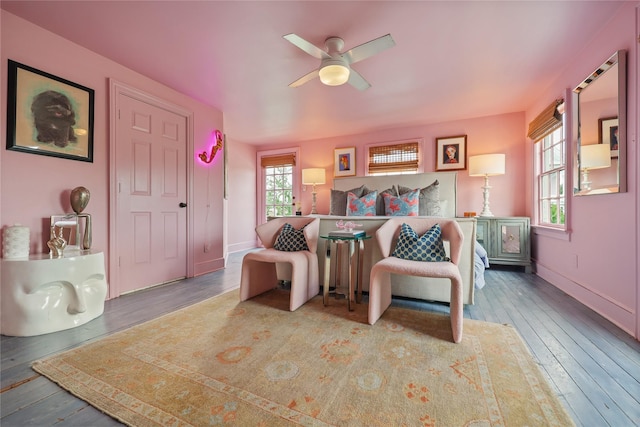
<point>79,199</point>
<point>16,242</point>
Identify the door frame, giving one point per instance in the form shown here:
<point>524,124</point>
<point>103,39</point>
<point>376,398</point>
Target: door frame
<point>116,90</point>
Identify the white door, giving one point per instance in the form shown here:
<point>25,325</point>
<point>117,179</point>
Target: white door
<point>152,195</point>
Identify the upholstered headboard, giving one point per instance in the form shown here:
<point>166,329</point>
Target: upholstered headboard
<point>447,181</point>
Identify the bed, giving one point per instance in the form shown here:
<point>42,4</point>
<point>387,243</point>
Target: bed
<point>442,201</point>
<point>480,263</point>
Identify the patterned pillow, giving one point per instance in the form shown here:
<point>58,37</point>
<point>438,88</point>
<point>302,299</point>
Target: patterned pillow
<point>428,247</point>
<point>404,205</point>
<point>338,202</point>
<point>429,199</point>
<point>380,200</point>
<point>362,206</point>
<point>291,240</point>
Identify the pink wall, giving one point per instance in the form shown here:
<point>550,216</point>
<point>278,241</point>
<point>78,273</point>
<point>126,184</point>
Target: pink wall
<point>242,196</point>
<point>494,134</point>
<point>597,262</point>
<point>35,187</point>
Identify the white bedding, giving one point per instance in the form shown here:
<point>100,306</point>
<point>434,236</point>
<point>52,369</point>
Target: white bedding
<point>480,263</point>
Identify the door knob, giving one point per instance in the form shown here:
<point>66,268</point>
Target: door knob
<point>182,205</point>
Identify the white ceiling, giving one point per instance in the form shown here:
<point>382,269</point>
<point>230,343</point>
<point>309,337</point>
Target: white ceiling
<point>452,59</point>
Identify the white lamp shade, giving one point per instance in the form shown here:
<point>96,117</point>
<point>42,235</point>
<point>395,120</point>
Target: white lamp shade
<point>487,165</point>
<point>334,74</point>
<point>313,176</point>
<point>595,156</point>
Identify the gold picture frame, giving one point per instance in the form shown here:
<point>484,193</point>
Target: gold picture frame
<point>344,162</point>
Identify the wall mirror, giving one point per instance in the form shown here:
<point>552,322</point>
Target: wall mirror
<point>600,161</point>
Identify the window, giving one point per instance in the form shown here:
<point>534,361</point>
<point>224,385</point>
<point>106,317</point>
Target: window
<point>277,184</point>
<point>552,179</point>
<point>394,158</point>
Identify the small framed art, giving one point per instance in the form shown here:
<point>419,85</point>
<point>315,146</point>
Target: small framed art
<point>608,134</point>
<point>344,162</point>
<point>451,153</point>
<point>48,115</point>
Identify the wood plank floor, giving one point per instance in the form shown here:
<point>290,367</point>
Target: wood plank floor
<point>593,366</point>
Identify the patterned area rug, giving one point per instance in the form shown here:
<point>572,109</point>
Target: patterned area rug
<point>222,362</point>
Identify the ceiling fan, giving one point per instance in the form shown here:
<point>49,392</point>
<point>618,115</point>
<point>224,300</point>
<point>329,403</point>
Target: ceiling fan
<point>335,66</point>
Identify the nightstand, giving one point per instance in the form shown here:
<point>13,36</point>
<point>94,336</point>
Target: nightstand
<point>506,240</point>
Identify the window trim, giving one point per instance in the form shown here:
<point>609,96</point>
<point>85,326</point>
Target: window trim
<point>569,125</point>
<point>419,141</point>
<point>553,170</point>
<point>260,200</point>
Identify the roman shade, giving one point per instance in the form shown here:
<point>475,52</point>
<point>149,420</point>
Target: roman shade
<point>286,159</point>
<point>393,158</point>
<point>549,120</point>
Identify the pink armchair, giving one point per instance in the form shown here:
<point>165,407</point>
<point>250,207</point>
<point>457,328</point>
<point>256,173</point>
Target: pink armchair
<point>380,282</point>
<point>259,268</point>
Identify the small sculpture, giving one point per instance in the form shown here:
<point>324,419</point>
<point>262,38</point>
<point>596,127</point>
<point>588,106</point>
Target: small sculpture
<point>79,199</point>
<point>347,226</point>
<point>57,242</point>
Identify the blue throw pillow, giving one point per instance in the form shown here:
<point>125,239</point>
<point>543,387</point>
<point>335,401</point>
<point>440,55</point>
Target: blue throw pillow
<point>362,206</point>
<point>291,240</point>
<point>403,205</point>
<point>428,247</point>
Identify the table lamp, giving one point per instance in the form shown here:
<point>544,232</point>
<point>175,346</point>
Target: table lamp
<point>486,165</point>
<point>313,176</point>
<point>594,156</point>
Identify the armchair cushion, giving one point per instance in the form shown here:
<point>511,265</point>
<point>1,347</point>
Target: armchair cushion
<point>362,206</point>
<point>291,240</point>
<point>428,247</point>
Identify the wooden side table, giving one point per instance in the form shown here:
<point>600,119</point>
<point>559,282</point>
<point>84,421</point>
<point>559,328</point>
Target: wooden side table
<point>339,242</point>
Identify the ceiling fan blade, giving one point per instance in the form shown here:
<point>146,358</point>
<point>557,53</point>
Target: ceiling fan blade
<point>311,49</point>
<point>302,80</point>
<point>356,80</point>
<point>369,49</point>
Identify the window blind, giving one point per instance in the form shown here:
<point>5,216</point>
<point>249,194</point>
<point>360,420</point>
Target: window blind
<point>393,158</point>
<point>546,122</point>
<point>286,159</point>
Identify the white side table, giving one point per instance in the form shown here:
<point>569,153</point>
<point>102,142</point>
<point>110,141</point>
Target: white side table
<point>40,294</point>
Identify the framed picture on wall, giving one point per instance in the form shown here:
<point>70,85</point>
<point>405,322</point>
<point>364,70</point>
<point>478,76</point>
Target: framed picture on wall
<point>344,162</point>
<point>451,153</point>
<point>48,115</point>
<point>608,134</point>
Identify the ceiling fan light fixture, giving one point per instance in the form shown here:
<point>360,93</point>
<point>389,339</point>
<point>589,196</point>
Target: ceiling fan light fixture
<point>334,74</point>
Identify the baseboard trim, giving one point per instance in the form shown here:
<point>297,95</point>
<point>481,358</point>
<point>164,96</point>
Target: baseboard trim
<point>208,266</point>
<point>622,316</point>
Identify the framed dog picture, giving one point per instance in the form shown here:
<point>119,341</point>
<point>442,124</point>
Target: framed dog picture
<point>48,115</point>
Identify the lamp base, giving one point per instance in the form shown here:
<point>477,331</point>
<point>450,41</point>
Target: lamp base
<point>485,193</point>
<point>313,202</point>
<point>585,185</point>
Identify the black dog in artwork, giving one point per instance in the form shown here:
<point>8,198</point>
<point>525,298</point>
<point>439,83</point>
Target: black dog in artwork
<point>54,117</point>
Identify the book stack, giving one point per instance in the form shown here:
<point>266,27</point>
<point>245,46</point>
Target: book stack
<point>347,233</point>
